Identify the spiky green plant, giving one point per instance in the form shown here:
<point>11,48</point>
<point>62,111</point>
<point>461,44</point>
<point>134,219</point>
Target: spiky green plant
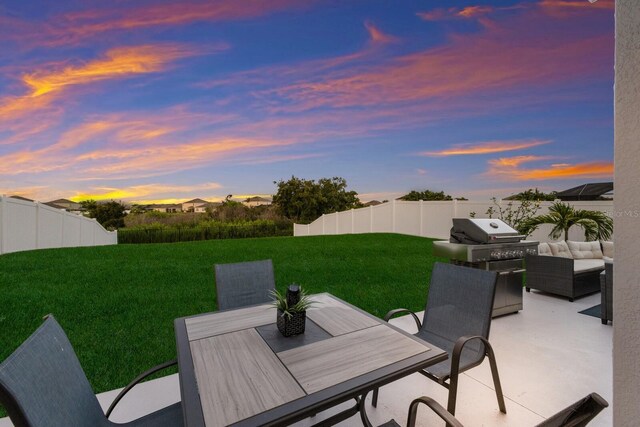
<point>280,302</point>
<point>596,225</point>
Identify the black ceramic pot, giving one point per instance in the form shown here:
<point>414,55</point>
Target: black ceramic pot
<point>291,325</point>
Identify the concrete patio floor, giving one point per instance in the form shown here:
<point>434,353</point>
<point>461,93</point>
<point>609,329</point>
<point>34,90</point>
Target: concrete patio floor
<point>548,356</point>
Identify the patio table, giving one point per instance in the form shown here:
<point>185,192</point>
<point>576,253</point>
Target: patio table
<point>237,369</point>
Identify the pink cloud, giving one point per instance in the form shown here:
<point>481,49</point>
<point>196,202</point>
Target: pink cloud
<point>510,168</point>
<point>79,28</point>
<point>500,58</point>
<point>377,36</point>
<point>486,147</point>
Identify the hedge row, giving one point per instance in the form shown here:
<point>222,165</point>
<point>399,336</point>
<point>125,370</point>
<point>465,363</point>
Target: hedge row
<point>205,231</point>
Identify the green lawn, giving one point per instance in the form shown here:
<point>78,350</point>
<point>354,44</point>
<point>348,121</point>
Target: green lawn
<point>117,303</point>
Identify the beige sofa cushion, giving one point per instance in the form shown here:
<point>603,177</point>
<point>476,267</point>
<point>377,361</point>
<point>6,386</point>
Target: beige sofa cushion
<point>560,249</point>
<point>607,249</point>
<point>585,250</point>
<point>585,265</point>
<point>544,249</point>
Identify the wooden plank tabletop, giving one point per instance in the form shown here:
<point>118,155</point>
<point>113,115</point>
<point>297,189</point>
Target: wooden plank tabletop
<point>222,322</point>
<point>229,374</point>
<point>326,363</point>
<point>239,376</point>
<point>336,317</point>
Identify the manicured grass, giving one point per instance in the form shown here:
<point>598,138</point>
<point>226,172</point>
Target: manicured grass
<point>118,303</point>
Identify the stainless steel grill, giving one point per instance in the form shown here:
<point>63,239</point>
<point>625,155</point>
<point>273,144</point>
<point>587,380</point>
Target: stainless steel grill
<point>490,244</point>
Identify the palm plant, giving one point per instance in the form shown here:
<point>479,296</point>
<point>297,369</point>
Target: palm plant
<point>596,225</point>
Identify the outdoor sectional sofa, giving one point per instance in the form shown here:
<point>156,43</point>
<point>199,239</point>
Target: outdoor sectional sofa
<point>569,269</point>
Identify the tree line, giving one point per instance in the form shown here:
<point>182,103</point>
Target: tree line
<point>304,200</point>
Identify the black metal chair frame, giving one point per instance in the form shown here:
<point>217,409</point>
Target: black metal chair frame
<point>137,380</point>
<point>452,386</point>
<point>579,414</point>
<point>17,413</point>
<point>471,292</point>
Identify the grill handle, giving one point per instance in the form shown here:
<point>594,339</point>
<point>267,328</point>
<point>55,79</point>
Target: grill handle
<point>520,270</point>
<point>518,236</point>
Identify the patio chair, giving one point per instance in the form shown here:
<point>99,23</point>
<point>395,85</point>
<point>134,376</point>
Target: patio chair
<point>578,414</point>
<point>43,385</point>
<point>457,319</point>
<point>606,293</point>
<point>244,283</point>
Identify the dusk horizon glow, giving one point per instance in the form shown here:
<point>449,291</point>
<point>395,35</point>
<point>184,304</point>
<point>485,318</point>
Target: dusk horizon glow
<point>161,102</point>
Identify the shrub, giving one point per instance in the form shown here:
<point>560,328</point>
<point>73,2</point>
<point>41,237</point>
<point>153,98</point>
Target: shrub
<point>207,230</point>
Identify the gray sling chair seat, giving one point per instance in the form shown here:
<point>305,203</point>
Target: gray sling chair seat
<point>579,414</point>
<point>43,385</point>
<point>244,283</point>
<point>457,319</point>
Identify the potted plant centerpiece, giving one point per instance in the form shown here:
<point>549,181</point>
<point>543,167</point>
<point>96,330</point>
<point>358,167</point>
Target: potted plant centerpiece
<point>292,310</point>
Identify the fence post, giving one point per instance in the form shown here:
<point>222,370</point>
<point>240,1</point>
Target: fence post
<point>3,214</point>
<point>421,220</point>
<point>61,213</point>
<point>81,244</point>
<point>323,224</point>
<point>370,219</point>
<point>393,216</point>
<point>37,225</point>
<point>352,221</point>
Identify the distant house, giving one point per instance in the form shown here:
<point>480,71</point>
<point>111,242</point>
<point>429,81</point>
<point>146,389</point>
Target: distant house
<point>21,198</point>
<point>372,203</point>
<point>195,205</point>
<point>257,201</point>
<point>168,208</point>
<point>593,191</point>
<point>65,204</point>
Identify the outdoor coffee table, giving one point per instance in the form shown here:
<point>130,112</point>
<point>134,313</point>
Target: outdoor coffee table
<point>237,369</point>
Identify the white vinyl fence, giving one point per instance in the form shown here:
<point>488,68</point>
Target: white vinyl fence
<point>28,225</point>
<point>426,219</point>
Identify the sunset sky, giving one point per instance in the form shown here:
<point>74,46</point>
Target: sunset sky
<point>156,100</point>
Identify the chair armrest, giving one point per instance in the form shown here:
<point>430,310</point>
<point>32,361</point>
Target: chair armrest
<point>392,313</point>
<point>137,380</point>
<point>459,346</point>
<point>436,407</point>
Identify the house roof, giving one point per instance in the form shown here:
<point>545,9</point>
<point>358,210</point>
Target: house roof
<point>591,191</point>
<point>21,198</point>
<point>195,201</point>
<point>53,205</point>
<point>164,205</point>
<point>372,203</point>
<point>63,201</point>
<point>257,199</point>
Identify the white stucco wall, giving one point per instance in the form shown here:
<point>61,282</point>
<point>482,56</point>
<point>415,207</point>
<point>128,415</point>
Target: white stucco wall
<point>626,298</point>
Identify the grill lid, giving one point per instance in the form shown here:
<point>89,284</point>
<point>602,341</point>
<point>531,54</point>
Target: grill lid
<point>476,231</point>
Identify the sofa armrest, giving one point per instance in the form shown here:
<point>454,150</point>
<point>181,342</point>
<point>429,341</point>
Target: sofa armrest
<point>550,274</point>
<point>547,264</point>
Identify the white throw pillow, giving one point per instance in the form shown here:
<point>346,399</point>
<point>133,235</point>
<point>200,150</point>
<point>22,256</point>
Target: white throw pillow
<point>585,250</point>
<point>607,249</point>
<point>560,249</point>
<point>544,249</point>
